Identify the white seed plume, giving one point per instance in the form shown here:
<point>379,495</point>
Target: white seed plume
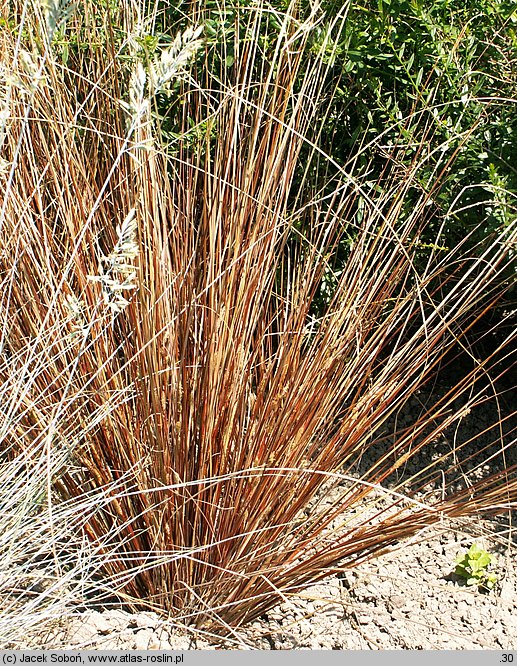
<point>116,271</point>
<point>169,65</point>
<point>138,104</point>
<point>55,12</point>
<point>76,310</point>
<point>172,62</point>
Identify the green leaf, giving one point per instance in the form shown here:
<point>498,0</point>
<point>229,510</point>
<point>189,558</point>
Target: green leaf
<point>483,560</point>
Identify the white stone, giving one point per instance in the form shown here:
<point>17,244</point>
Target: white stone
<point>146,639</point>
<point>146,620</point>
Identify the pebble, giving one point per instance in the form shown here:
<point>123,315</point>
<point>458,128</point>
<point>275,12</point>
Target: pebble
<point>146,620</point>
<point>146,639</point>
<point>507,593</point>
<point>397,601</point>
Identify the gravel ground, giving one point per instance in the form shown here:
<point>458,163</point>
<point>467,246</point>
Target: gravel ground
<point>407,599</point>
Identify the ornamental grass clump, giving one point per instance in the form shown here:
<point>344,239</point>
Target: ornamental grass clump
<point>200,339</point>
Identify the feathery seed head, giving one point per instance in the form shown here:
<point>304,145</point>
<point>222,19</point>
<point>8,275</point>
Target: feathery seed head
<point>137,102</point>
<point>55,12</point>
<point>116,271</point>
<point>169,65</point>
<point>172,62</point>
<point>76,311</point>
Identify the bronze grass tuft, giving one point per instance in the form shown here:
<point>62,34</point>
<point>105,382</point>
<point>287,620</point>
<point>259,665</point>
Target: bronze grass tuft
<point>164,336</point>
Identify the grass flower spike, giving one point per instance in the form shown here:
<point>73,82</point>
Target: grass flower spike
<point>172,62</point>
<point>117,272</point>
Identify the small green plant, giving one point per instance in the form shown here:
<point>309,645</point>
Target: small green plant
<point>472,567</point>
